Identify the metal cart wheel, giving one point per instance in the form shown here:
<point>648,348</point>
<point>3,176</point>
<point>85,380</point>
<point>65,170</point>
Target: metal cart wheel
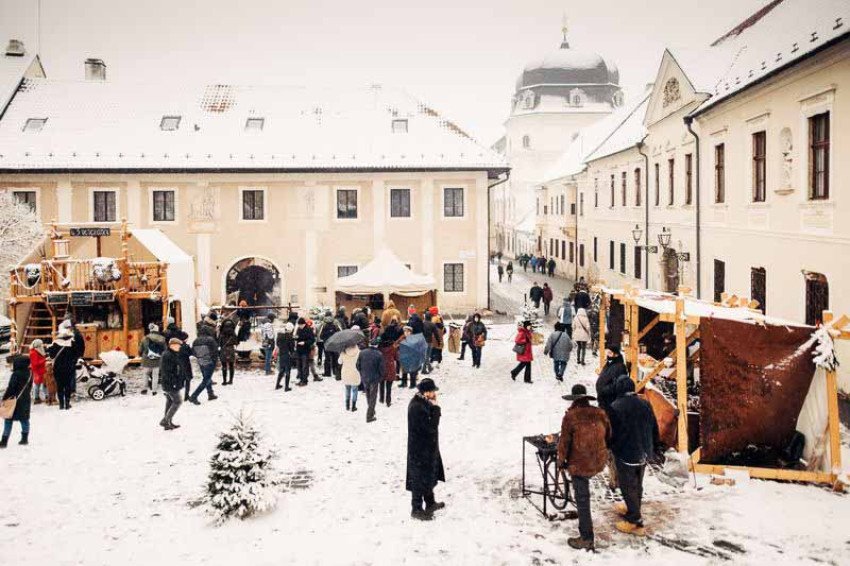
<point>559,494</point>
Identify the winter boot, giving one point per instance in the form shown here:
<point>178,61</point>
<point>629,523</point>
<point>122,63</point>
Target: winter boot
<point>421,515</point>
<point>348,404</point>
<point>212,397</point>
<point>25,438</point>
<point>37,401</point>
<point>4,441</point>
<point>354,406</point>
<point>194,401</point>
<point>434,506</point>
<point>621,509</point>
<point>580,544</point>
<point>631,528</point>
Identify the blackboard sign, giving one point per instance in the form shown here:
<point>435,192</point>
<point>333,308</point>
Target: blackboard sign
<point>103,296</point>
<point>81,299</point>
<point>90,232</point>
<point>57,298</point>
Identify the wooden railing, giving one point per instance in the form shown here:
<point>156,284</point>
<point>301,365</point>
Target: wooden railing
<point>79,275</point>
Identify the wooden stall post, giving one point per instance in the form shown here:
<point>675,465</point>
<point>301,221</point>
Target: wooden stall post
<point>832,411</point>
<point>681,374</point>
<point>603,308</point>
<point>125,283</point>
<point>634,331</point>
<point>163,289</point>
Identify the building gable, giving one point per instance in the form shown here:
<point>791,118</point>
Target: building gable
<point>672,90</point>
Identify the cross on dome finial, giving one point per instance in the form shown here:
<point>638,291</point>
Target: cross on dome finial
<point>564,29</point>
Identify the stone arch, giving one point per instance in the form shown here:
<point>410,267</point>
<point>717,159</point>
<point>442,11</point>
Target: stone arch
<point>254,279</point>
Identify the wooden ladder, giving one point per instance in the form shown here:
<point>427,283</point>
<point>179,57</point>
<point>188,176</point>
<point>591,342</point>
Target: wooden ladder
<point>40,324</point>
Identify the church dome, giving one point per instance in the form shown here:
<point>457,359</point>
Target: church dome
<point>568,66</point>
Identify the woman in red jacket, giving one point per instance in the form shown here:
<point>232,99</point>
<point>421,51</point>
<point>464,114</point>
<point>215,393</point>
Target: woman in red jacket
<point>524,354</point>
<point>38,365</point>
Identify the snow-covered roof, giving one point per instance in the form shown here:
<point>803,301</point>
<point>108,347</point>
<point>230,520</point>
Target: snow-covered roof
<point>12,71</point>
<point>99,125</point>
<point>385,274</point>
<point>778,35</point>
<point>627,131</point>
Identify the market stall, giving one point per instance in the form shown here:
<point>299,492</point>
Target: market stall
<point>730,386</point>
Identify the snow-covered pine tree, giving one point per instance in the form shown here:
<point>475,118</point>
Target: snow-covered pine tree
<point>20,232</point>
<point>239,483</point>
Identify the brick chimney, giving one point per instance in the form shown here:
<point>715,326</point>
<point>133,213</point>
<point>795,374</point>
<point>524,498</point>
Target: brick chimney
<point>95,70</point>
<point>15,48</point>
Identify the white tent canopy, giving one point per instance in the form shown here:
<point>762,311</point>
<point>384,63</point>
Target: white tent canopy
<point>385,274</point>
<point>181,271</point>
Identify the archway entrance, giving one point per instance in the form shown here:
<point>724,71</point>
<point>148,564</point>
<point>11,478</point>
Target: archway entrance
<point>254,280</point>
<point>670,270</point>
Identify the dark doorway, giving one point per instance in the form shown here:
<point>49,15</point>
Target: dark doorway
<point>255,281</point>
<point>670,270</point>
<point>758,287</point>
<point>817,297</point>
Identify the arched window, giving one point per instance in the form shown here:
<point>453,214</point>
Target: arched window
<point>577,97</point>
<point>526,142</point>
<point>617,99</point>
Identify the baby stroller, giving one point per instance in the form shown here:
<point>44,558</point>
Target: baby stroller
<point>108,377</point>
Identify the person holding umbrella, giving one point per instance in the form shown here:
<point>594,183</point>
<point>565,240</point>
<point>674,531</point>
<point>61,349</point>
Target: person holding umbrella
<point>411,355</point>
<point>424,462</point>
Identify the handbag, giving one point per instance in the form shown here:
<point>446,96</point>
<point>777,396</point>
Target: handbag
<point>519,348</point>
<point>7,406</point>
<point>480,341</point>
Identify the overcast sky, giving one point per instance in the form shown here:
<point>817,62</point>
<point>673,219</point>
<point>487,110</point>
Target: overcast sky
<point>461,56</point>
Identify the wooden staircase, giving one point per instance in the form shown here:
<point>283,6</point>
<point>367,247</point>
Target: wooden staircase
<point>40,324</point>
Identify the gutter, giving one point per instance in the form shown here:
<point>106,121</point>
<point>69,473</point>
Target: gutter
<point>689,120</point>
<point>489,224</point>
<point>640,146</point>
<point>491,171</point>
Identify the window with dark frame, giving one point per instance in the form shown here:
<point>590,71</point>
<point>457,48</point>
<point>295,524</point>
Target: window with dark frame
<point>689,178</point>
<point>720,173</point>
<point>563,248</point>
<point>253,205</point>
<point>581,255</point>
<point>595,250</point>
<point>611,260</point>
<point>719,280</point>
<point>163,206</point>
<point>758,287</point>
<point>819,156</point>
<point>400,203</point>
<point>345,270</point>
<point>671,177</point>
<point>638,188</point>
<point>657,184</point>
<point>572,252</point>
<point>638,263</point>
<point>623,188</point>
<point>581,204</point>
<point>453,203</point>
<point>26,197</point>
<point>612,191</point>
<point>817,297</point>
<point>346,204</point>
<point>759,166</point>
<point>623,258</point>
<point>572,209</point>
<point>104,206</point>
<point>453,277</point>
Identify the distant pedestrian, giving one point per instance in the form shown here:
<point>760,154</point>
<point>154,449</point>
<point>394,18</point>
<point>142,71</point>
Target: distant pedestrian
<point>525,265</point>
<point>173,379</point>
<point>551,267</point>
<point>477,339</point>
<point>267,337</point>
<point>66,349</point>
<point>510,271</point>
<point>414,321</point>
<point>285,351</point>
<point>424,461</point>
<point>313,353</point>
<point>582,448</point>
<point>548,296</point>
<point>350,376</point>
<point>635,442</point>
<point>205,350</point>
<point>536,294</point>
<point>408,373</point>
<point>331,362</point>
<point>500,271</point>
<point>559,347</point>
<point>606,382</point>
<point>370,364</point>
<point>581,334</point>
<point>304,342</point>
<point>20,389</point>
<point>151,349</point>
<point>523,349</point>
<point>428,331</point>
<point>388,346</point>
<point>581,299</point>
<point>174,331</point>
<point>465,337</point>
<point>227,342</point>
<point>38,367</point>
<point>437,337</point>
<point>565,316</point>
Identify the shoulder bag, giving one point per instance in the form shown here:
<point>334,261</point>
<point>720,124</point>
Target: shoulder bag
<point>7,406</point>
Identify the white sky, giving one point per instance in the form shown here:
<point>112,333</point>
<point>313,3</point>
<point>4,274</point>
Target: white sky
<point>460,56</point>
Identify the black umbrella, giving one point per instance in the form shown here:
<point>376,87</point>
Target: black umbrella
<point>344,339</point>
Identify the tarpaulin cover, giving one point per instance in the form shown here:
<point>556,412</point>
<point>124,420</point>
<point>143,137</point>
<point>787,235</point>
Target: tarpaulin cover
<point>754,382</point>
<point>616,322</point>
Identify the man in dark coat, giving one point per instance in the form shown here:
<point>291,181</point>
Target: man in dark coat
<point>174,331</point>
<point>536,294</point>
<point>548,296</point>
<point>370,364</point>
<point>305,339</point>
<point>605,383</point>
<point>581,300</point>
<point>550,266</point>
<point>635,442</point>
<point>173,379</point>
<point>424,463</point>
<point>20,386</point>
<point>582,447</point>
<point>66,349</point>
<point>414,321</point>
<point>205,350</point>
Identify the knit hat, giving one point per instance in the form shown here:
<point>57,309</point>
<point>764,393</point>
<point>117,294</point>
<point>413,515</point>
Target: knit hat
<point>153,327</point>
<point>170,320</point>
<point>434,310</point>
<point>38,344</point>
<point>615,348</point>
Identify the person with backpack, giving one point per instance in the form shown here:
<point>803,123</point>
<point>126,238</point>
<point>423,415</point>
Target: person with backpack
<point>205,350</point>
<point>559,346</point>
<point>151,350</point>
<point>536,294</point>
<point>500,271</point>
<point>565,316</point>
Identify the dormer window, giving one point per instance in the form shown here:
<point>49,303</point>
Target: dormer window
<point>34,124</point>
<point>169,123</point>
<point>577,97</point>
<point>617,100</point>
<point>400,126</point>
<point>526,142</point>
<point>254,124</point>
<point>528,100</point>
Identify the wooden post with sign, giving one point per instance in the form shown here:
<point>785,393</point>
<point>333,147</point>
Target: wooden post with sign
<point>603,309</point>
<point>681,375</point>
<point>125,286</point>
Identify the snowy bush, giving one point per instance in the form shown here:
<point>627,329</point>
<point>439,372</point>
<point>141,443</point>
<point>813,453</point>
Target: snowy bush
<point>824,354</point>
<point>240,482</point>
<point>20,230</point>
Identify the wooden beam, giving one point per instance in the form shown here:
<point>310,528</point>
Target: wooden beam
<point>832,411</point>
<point>681,378</point>
<point>634,350</point>
<point>648,327</point>
<point>769,473</point>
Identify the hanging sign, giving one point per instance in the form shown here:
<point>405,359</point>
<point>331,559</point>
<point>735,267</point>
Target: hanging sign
<point>90,232</point>
<point>57,298</point>
<point>103,296</point>
<point>81,299</point>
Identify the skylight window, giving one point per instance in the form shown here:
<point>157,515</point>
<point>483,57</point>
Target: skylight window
<point>400,126</point>
<point>34,124</point>
<point>254,124</point>
<point>169,123</point>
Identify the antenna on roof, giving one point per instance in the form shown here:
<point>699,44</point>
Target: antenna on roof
<point>564,29</point>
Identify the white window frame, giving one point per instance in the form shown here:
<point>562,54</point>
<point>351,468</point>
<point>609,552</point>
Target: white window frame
<point>400,122</point>
<point>347,264</point>
<point>255,119</point>
<point>443,265</point>
<point>151,191</point>
<point>810,105</point>
<point>117,192</point>
<point>239,210</point>
<point>36,190</point>
<point>360,209</point>
<point>389,199</point>
<point>466,203</point>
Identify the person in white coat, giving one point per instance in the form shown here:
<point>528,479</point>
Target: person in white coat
<point>581,334</point>
<point>350,376</point>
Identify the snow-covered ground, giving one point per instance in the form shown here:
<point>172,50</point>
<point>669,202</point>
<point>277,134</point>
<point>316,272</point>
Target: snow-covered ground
<point>103,484</point>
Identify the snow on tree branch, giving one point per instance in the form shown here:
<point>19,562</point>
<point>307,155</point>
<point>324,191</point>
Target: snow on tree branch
<point>824,354</point>
<point>20,232</point>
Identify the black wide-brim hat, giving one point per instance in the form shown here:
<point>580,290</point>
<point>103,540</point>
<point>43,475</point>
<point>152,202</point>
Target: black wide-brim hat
<point>427,385</point>
<point>578,392</point>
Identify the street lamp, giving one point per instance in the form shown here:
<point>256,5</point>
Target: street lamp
<point>664,237</point>
<point>637,234</point>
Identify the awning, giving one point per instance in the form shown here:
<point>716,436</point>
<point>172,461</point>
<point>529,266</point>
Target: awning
<point>385,274</point>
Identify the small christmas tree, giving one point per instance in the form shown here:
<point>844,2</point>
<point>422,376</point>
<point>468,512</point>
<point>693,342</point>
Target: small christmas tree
<point>239,483</point>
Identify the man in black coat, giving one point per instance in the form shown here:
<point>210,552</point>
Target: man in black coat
<point>536,295</point>
<point>415,322</point>
<point>370,364</point>
<point>305,339</point>
<point>20,386</point>
<point>605,383</point>
<point>66,349</point>
<point>635,440</point>
<point>174,331</point>
<point>581,299</point>
<point>424,463</point>
<point>172,378</point>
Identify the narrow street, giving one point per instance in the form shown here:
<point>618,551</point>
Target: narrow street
<point>507,298</point>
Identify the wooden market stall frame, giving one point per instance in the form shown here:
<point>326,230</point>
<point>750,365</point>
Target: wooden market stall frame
<point>680,321</point>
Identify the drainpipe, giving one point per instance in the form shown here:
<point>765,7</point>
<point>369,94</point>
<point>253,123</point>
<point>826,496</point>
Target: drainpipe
<point>489,222</point>
<point>689,123</point>
<point>575,251</point>
<point>640,147</point>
